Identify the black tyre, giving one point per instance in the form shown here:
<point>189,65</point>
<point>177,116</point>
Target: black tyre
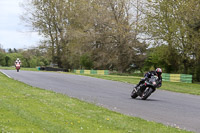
<point>134,94</point>
<point>147,93</point>
<point>17,70</point>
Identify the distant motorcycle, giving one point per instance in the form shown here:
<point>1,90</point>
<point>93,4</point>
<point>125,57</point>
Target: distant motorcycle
<point>146,89</point>
<point>17,67</point>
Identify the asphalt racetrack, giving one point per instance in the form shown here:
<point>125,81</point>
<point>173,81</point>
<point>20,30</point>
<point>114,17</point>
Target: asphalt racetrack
<point>174,109</point>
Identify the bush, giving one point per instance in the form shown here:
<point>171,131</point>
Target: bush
<point>86,61</point>
<point>33,63</point>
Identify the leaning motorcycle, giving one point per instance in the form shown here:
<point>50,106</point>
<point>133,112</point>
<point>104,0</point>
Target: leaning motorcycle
<point>17,67</point>
<point>146,89</point>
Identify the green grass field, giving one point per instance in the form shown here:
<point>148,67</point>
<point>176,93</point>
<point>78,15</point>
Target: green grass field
<point>27,109</point>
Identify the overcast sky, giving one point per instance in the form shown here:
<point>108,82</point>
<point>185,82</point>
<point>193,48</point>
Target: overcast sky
<point>13,33</point>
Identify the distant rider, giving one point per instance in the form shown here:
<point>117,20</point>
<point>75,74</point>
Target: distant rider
<point>157,72</point>
<point>17,61</point>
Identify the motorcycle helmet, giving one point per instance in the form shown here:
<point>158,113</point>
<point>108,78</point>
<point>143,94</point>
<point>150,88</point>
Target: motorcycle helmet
<point>159,71</point>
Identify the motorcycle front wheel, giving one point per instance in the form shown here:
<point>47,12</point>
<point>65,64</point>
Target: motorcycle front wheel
<point>134,94</point>
<point>147,93</point>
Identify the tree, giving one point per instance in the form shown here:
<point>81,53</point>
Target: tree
<point>48,18</point>
<point>10,50</point>
<point>165,25</point>
<point>111,35</point>
<point>175,24</point>
<point>2,59</point>
<point>103,29</point>
<point>192,18</point>
<point>15,50</point>
<point>86,62</point>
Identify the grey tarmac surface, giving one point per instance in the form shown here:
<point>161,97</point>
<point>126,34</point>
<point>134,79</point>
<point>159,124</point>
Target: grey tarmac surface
<point>174,109</point>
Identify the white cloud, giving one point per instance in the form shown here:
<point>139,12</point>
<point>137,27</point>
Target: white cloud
<point>15,39</point>
<point>11,35</point>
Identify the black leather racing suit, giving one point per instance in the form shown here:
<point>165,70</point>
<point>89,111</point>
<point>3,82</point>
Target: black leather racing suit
<point>148,75</point>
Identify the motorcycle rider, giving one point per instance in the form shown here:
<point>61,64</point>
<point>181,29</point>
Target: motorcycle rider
<point>17,61</point>
<point>157,72</point>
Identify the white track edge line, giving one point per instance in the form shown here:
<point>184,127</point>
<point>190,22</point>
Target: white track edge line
<point>5,74</point>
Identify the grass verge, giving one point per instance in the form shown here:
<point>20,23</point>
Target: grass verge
<point>22,68</point>
<point>28,109</point>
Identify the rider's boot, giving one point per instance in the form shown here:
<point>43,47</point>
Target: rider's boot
<point>137,85</point>
<point>139,92</point>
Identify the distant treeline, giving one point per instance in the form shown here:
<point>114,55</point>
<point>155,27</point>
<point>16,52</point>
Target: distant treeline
<point>29,58</point>
<point>122,35</point>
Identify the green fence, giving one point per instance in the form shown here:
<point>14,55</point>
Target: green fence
<point>177,77</point>
<point>100,72</point>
